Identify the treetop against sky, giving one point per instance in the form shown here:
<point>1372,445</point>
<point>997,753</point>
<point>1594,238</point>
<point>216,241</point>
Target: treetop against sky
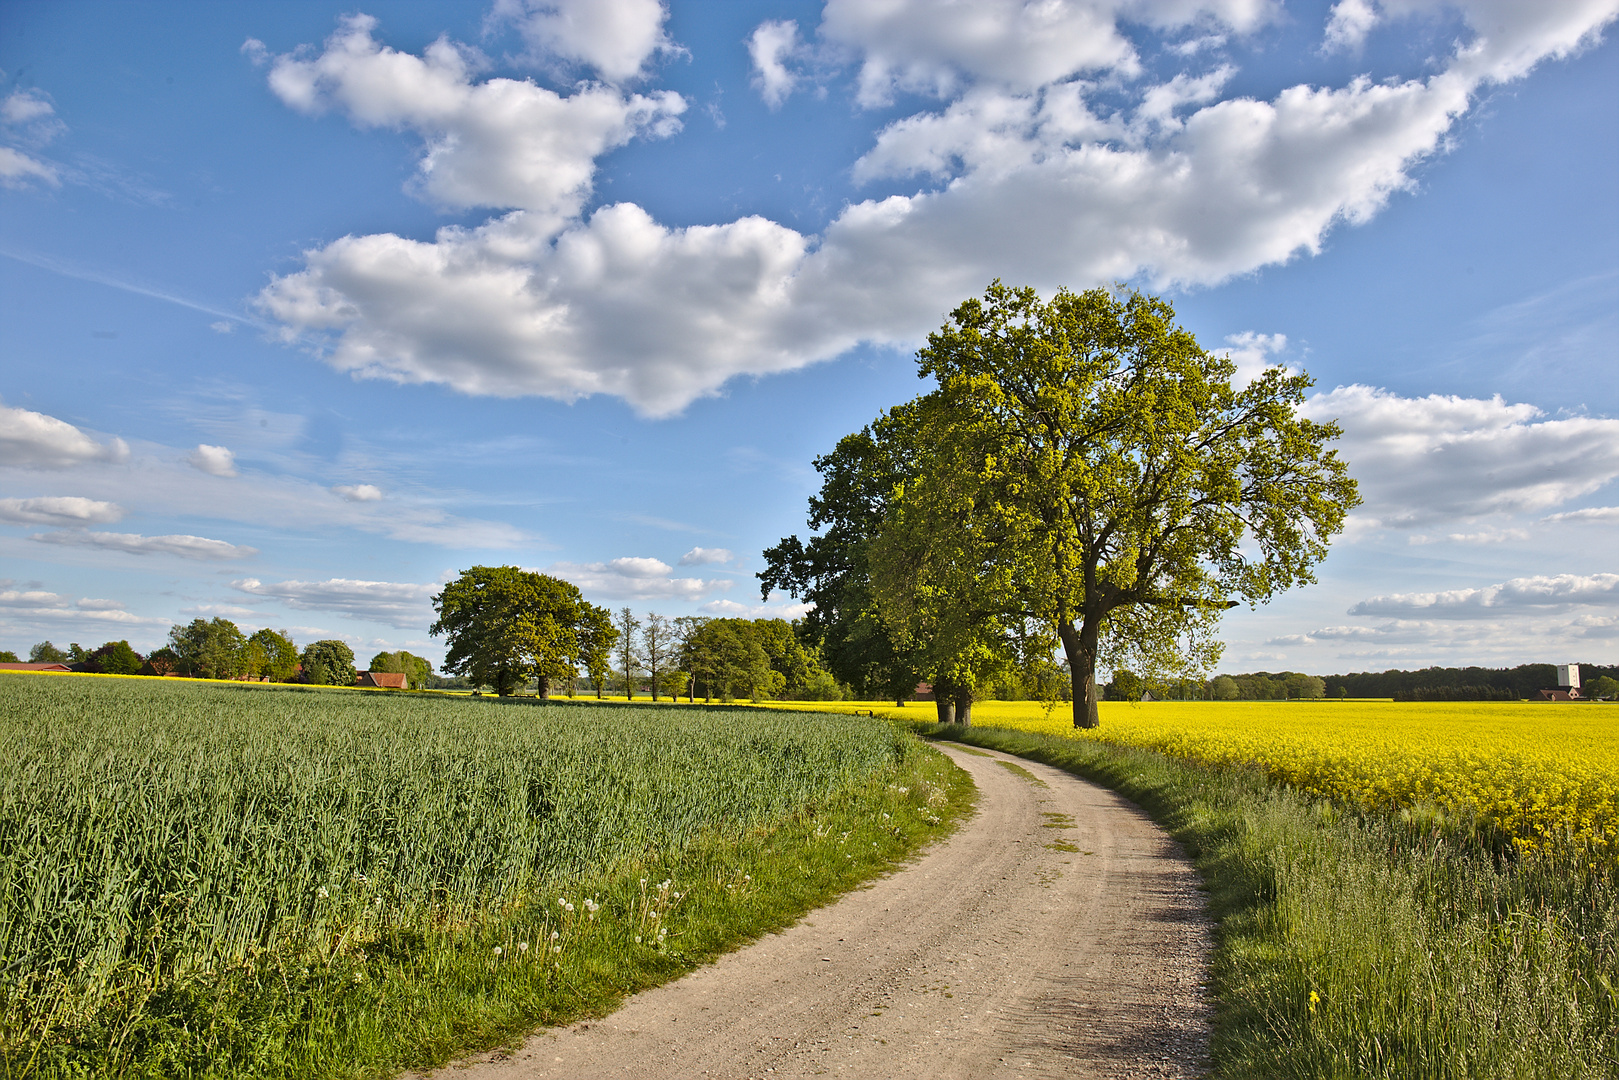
<point>304,307</point>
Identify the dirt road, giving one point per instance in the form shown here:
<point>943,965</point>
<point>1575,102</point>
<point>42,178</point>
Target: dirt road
<point>1058,933</point>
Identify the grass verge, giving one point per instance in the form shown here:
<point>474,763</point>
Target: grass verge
<point>1354,945</point>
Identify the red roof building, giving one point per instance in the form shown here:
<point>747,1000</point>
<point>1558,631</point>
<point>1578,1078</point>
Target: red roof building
<point>382,680</point>
<point>8,666</point>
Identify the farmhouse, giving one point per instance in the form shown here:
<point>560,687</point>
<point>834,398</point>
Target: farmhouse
<point>1568,685</point>
<point>25,666</point>
<point>382,680</point>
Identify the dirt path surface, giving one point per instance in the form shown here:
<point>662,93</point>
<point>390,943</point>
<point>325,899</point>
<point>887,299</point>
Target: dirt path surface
<point>1058,933</point>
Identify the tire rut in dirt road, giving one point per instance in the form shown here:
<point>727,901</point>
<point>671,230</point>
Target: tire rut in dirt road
<point>1059,932</point>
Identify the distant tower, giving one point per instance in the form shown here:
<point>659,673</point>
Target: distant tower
<point>1568,678</point>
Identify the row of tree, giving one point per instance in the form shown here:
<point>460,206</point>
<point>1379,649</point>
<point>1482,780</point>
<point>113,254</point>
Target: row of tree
<point>1084,476</point>
<point>1462,683</point>
<point>509,628</point>
<point>217,649</point>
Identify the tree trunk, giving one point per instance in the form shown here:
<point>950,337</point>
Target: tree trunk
<point>964,706</point>
<point>542,687</point>
<point>944,701</point>
<point>1079,648</point>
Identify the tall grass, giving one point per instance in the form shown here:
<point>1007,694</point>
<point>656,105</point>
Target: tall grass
<point>171,855</point>
<point>1366,944</point>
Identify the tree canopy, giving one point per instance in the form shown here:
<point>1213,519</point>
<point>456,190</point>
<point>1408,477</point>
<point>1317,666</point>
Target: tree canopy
<point>1084,474</point>
<point>506,625</point>
<point>328,663</point>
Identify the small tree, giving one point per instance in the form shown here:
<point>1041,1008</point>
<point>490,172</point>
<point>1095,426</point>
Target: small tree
<point>8,657</point>
<point>629,657</point>
<point>655,645</point>
<point>46,653</point>
<point>209,649</point>
<point>688,647</point>
<point>329,663</point>
<point>278,655</point>
<point>116,658</point>
<point>596,636</point>
<point>386,662</point>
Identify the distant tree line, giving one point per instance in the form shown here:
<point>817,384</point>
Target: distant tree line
<point>510,630</point>
<point>1461,684</point>
<point>217,649</point>
<point>1428,684</point>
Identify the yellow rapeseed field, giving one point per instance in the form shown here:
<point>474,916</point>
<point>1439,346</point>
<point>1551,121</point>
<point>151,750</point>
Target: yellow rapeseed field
<point>1545,773</point>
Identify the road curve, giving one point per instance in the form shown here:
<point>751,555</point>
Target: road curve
<point>1058,933</point>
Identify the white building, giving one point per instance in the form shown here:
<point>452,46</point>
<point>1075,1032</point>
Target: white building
<point>1568,676</point>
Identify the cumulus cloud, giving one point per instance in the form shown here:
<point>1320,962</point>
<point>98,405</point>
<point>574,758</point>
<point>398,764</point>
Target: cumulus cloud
<point>1444,458</point>
<point>1348,24</point>
<point>1561,591</point>
<point>1033,172</point>
<point>403,605</point>
<point>359,492</point>
<point>213,460</point>
<point>616,37</point>
<point>701,556</point>
<point>634,578</point>
<point>183,545</point>
<point>34,439</point>
<point>769,47</point>
<point>498,143</point>
<point>59,510</point>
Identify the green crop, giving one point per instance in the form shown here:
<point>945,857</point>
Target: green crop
<point>153,833</point>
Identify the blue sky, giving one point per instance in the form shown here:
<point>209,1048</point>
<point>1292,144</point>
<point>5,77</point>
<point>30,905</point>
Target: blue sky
<point>305,307</point>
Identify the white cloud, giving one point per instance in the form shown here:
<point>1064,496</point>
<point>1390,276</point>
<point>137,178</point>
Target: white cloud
<point>156,480</point>
<point>33,439</point>
<point>1483,536</point>
<point>25,107</point>
<point>1348,25</point>
<point>730,609</point>
<point>1599,514</point>
<point>213,460</point>
<point>27,116</point>
<point>182,545</point>
<point>59,510</point>
<point>17,169</point>
<point>497,143</point>
<point>634,578</point>
<point>1251,353</point>
<point>616,37</point>
<point>223,326</point>
<point>1444,458</point>
<point>37,604</point>
<point>359,492</point>
<point>1561,591</point>
<point>701,556</point>
<point>770,44</point>
<point>404,605</point>
<point>1037,176</point>
<point>935,48</point>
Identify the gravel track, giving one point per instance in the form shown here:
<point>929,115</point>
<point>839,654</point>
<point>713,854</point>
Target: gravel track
<point>1058,933</point>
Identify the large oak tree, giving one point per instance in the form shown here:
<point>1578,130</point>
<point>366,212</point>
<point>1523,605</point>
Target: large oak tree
<point>506,625</point>
<point>1084,462</point>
